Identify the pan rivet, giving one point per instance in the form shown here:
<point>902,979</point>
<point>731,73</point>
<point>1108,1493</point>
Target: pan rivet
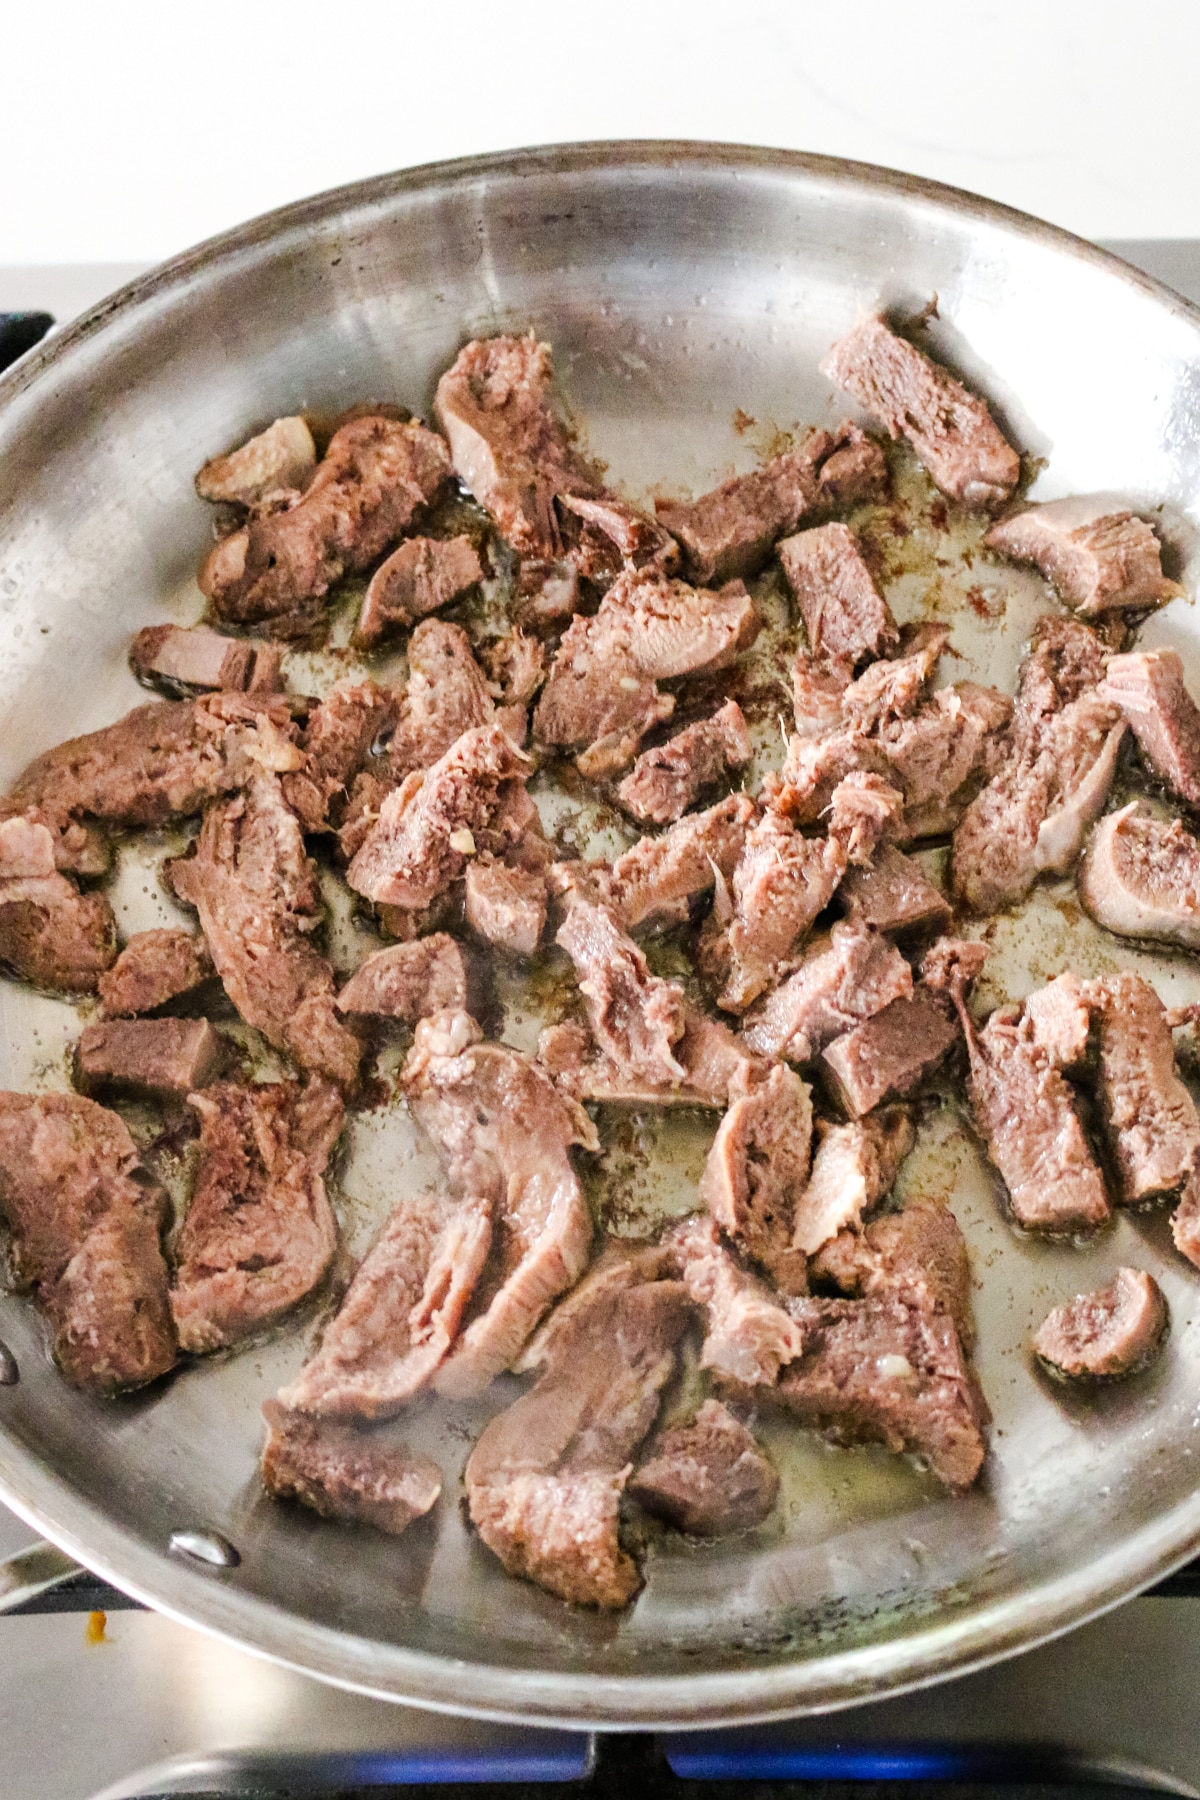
<point>206,1547</point>
<point>9,1372</point>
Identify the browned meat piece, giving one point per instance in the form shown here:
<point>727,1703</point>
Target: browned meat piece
<point>660,875</point>
<point>1148,688</point>
<point>1097,560</point>
<point>1116,1331</point>
<point>375,480</point>
<point>408,981</point>
<point>757,1171</point>
<point>503,1131</point>
<point>149,1057</point>
<point>1025,1113</point>
<point>893,893</point>
<point>731,530</point>
<point>343,1473</point>
<point>1140,877</point>
<point>848,977</point>
<point>1053,782</point>
<point>843,611</point>
<point>879,1370</point>
<point>516,666</point>
<point>1150,1117</point>
<point>154,968</point>
<point>50,933</point>
<point>338,739</point>
<point>635,1017</point>
<point>1060,1017</point>
<point>622,1263</point>
<point>260,1232</point>
<point>614,534</point>
<point>707,1477</point>
<point>84,1227</point>
<point>280,459</point>
<point>783,880</point>
<point>951,965</point>
<point>854,1167</point>
<point>749,1337</point>
<point>918,1256</point>
<point>257,896</point>
<point>549,593</point>
<point>80,846</point>
<point>506,906</point>
<point>544,1482</point>
<point>197,658</point>
<point>887,1055</point>
<point>437,818</point>
<point>602,690</point>
<point>715,1065</point>
<point>951,429</point>
<point>421,577</point>
<point>402,1311</point>
<point>665,781</point>
<point>160,762</point>
<point>446,695</point>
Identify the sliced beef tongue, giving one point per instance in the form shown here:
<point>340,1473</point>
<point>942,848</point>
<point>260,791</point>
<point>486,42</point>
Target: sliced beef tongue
<point>503,1131</point>
<point>346,1473</point>
<point>260,1232</point>
<point>282,458</point>
<point>658,877</point>
<point>338,739</point>
<point>886,1056</point>
<point>708,1476</point>
<point>1097,558</point>
<point>419,578</point>
<point>846,978</point>
<point>85,1226</point>
<point>601,696</point>
<point>1148,687</point>
<point>50,933</point>
<point>853,1169</point>
<point>149,1058</point>
<point>1060,1018</point>
<point>844,613</point>
<point>154,968</point>
<point>749,1336</point>
<point>1054,779</point>
<point>892,893</point>
<point>605,534</point>
<point>917,1255</point>
<point>183,660</point>
<point>545,1480</point>
<point>1139,876</point>
<point>636,1018</point>
<point>447,694</point>
<point>665,781</point>
<point>1150,1117</point>
<point>757,1172</point>
<point>506,906</point>
<point>731,530</point>
<point>951,429</point>
<point>375,481</point>
<point>716,1065</point>
<point>1116,1331</point>
<point>408,981</point>
<point>402,1312</point>
<point>622,1263</point>
<point>256,893</point>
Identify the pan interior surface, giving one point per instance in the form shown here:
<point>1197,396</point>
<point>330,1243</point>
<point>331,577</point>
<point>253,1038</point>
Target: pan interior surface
<point>689,294</point>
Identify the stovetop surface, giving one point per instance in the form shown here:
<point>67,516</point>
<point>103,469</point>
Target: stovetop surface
<point>102,1700</point>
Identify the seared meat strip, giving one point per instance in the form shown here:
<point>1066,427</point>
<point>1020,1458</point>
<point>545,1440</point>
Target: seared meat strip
<point>843,611</point>
<point>402,1311</point>
<point>84,1227</point>
<point>881,1370</point>
<point>260,1232</point>
<point>918,1255</point>
<point>1032,816</point>
<point>256,893</point>
<point>337,741</point>
<point>436,819</point>
<point>183,660</point>
<point>659,876</point>
<point>731,530</point>
<point>421,577</point>
<point>854,1167</point>
<point>408,981</point>
<point>749,1336</point>
<point>50,933</point>
<point>848,977</point>
<point>503,1132</point>
<point>544,1482</point>
<point>282,458</point>
<point>154,968</point>
<point>665,781</point>
<point>1096,559</point>
<point>343,1473</point>
<point>602,689</point>
<point>1116,1331</point>
<point>375,480</point>
<point>152,1058</point>
<point>635,1017</point>
<point>1148,688</point>
<point>1151,1119</point>
<point>757,1171</point>
<point>506,906</point>
<point>951,429</point>
<point>888,1054</point>
<point>893,893</point>
<point>707,1477</point>
<point>1140,877</point>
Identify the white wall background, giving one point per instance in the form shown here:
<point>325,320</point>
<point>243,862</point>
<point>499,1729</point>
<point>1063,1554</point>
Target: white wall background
<point>130,129</point>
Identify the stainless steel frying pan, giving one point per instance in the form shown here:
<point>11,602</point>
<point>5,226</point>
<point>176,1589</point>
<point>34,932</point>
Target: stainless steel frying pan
<point>681,285</point>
